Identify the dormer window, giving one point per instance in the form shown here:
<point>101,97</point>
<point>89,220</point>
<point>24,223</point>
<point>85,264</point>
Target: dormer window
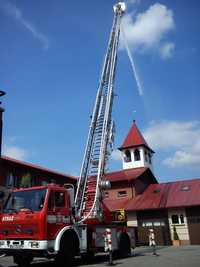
<point>127,156</point>
<point>137,155</point>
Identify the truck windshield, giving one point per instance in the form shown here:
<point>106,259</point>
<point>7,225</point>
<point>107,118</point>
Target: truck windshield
<point>28,199</point>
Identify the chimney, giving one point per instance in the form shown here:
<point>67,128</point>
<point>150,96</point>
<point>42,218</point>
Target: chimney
<point>2,93</point>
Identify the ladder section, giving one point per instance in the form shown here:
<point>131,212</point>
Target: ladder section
<point>88,194</point>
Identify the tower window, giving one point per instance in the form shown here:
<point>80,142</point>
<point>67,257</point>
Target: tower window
<point>127,156</point>
<point>137,155</point>
<point>150,158</point>
<point>146,156</point>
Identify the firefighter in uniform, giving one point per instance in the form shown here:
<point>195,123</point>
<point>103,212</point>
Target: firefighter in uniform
<point>152,242</point>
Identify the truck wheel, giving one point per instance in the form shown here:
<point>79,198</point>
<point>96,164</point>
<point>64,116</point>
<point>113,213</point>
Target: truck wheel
<point>65,257</point>
<point>22,261</point>
<point>124,246</point>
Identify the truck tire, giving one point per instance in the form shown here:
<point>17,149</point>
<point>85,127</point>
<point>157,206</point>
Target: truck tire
<point>67,252</point>
<point>124,246</point>
<point>22,260</point>
<point>65,257</point>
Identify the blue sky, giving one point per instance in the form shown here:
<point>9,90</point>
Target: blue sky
<point>51,55</point>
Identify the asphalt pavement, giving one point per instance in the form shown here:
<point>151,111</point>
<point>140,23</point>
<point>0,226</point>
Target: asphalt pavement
<point>185,256</point>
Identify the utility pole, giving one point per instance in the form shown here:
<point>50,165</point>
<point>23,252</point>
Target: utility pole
<point>2,93</point>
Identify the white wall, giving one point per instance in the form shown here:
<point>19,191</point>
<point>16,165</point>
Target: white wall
<point>136,164</point>
<point>182,229</point>
<point>132,219</point>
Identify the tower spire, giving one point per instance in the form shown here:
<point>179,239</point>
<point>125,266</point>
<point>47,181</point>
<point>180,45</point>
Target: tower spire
<point>135,150</point>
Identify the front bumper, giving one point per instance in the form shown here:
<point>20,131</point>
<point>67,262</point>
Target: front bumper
<point>33,247</point>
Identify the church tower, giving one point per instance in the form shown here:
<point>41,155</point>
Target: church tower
<point>135,151</point>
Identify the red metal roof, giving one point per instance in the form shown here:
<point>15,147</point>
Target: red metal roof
<point>37,167</point>
<point>184,193</point>
<point>134,138</point>
<point>115,204</point>
<point>129,174</point>
<point>167,195</point>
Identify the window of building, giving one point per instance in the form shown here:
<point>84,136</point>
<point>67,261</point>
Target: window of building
<point>106,194</point>
<point>149,158</point>
<point>146,156</point>
<point>157,190</point>
<point>26,180</point>
<point>127,156</point>
<point>122,193</point>
<point>181,218</point>
<point>151,223</point>
<point>10,180</point>
<point>137,155</point>
<point>185,188</point>
<point>175,219</point>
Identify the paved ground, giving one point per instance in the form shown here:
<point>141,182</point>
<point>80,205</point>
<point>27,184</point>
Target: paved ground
<point>187,256</point>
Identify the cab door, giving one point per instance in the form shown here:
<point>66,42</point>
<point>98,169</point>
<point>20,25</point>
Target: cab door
<point>58,212</point>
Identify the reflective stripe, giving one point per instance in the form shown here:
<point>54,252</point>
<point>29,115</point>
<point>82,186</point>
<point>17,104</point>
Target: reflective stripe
<point>51,218</point>
<point>108,240</point>
<point>58,219</point>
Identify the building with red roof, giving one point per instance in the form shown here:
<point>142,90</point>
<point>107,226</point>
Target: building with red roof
<point>149,204</point>
<point>134,189</point>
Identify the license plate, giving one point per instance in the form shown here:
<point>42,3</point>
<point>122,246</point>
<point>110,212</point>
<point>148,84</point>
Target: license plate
<point>16,246</point>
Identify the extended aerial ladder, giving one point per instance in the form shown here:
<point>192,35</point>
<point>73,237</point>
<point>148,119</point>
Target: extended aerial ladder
<point>99,143</point>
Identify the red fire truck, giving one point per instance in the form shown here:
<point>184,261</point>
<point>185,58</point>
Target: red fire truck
<point>40,222</point>
<point>48,221</point>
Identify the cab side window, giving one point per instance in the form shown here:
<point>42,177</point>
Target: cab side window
<point>59,199</point>
<point>56,200</point>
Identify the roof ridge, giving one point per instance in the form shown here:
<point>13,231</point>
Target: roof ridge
<point>37,166</point>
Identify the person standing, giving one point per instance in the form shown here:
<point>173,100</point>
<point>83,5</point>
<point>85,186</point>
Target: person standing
<point>152,242</point>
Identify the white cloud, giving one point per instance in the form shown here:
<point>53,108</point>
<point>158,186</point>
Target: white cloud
<point>183,158</point>
<point>181,139</point>
<point>15,152</point>
<point>149,29</point>
<point>116,155</point>
<point>14,12</point>
<point>166,50</point>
